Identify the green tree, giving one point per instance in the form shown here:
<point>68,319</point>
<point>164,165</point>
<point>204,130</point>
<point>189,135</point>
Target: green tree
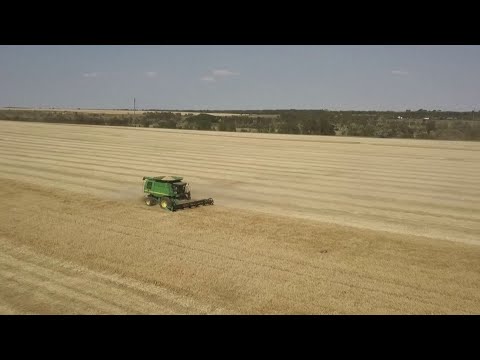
<point>430,126</point>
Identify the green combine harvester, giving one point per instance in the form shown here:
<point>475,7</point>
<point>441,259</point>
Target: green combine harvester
<point>170,192</point>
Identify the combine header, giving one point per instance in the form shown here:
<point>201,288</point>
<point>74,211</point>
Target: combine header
<point>170,192</point>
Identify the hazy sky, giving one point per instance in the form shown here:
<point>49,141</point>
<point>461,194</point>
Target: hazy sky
<point>242,77</point>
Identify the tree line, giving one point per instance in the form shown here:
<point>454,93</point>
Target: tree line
<point>420,124</point>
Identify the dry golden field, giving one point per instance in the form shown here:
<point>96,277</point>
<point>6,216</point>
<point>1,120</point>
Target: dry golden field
<point>301,224</point>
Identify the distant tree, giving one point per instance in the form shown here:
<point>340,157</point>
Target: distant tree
<point>201,121</point>
<point>326,127</point>
<point>369,130</point>
<point>430,126</point>
<point>221,125</point>
<point>311,126</point>
<point>167,124</point>
<point>145,122</point>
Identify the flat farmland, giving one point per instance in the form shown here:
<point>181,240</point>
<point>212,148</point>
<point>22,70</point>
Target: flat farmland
<point>301,224</point>
<point>131,112</point>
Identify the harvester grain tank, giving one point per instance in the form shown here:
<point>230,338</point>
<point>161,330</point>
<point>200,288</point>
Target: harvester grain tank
<point>170,192</point>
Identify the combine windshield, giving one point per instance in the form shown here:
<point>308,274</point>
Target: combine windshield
<point>180,188</point>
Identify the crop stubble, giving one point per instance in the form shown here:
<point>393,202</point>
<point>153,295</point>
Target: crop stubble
<point>71,198</point>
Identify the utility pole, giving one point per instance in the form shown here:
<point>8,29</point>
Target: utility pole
<point>134,106</point>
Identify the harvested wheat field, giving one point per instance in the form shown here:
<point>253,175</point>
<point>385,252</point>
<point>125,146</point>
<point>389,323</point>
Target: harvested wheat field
<point>301,224</point>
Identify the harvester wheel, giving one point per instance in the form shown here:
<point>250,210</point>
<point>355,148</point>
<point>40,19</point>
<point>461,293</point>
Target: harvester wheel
<point>166,203</point>
<point>150,201</point>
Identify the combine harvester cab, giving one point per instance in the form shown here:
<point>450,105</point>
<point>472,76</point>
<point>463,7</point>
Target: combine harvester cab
<point>170,192</point>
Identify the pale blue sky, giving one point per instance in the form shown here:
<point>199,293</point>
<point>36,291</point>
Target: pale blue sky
<point>242,77</point>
